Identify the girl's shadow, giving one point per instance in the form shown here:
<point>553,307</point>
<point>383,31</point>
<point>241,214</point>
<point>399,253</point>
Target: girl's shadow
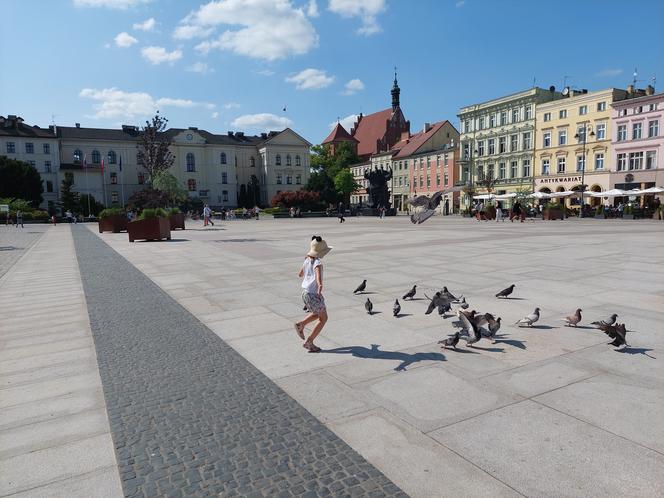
<point>375,353</point>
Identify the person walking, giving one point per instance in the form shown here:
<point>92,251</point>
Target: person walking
<point>499,212</point>
<point>311,274</point>
<point>257,210</point>
<point>19,218</point>
<point>207,216</point>
<point>516,211</point>
<point>53,220</point>
<point>447,207</point>
<point>340,211</point>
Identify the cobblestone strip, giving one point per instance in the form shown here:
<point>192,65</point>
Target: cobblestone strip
<point>190,416</point>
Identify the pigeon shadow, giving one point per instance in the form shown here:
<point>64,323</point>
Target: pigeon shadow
<point>375,353</point>
<point>459,349</point>
<point>513,298</point>
<point>585,327</point>
<point>540,327</point>
<point>364,292</point>
<point>399,315</point>
<point>631,350</point>
<point>512,342</point>
<point>490,350</point>
<point>375,313</point>
<point>178,240</point>
<point>415,299</point>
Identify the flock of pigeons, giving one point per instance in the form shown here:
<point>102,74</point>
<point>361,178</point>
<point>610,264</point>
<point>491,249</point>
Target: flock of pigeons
<point>473,326</point>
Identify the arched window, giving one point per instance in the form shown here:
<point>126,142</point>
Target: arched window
<point>191,185</point>
<point>78,156</point>
<point>112,157</point>
<point>252,162</point>
<point>191,162</point>
<point>297,161</point>
<point>223,158</point>
<point>288,160</point>
<point>277,160</point>
<point>96,157</point>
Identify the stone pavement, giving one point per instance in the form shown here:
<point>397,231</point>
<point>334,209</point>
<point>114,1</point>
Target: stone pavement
<point>546,411</point>
<point>15,241</point>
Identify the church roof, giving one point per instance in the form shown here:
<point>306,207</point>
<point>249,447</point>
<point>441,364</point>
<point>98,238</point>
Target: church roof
<point>339,134</point>
<point>411,146</point>
<point>370,129</point>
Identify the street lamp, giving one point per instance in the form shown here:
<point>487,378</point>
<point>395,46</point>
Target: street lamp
<point>585,130</point>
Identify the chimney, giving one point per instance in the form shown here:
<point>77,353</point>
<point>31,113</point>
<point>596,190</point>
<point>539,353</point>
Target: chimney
<point>427,127</point>
<point>650,90</point>
<point>230,133</point>
<point>78,125</point>
<point>263,135</point>
<point>193,128</point>
<point>630,89</point>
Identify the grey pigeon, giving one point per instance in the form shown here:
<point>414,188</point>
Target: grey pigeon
<point>573,320</point>
<point>410,294</point>
<point>444,308</point>
<point>447,294</point>
<point>469,329</point>
<point>606,321</point>
<point>492,327</point>
<point>452,340</point>
<point>506,292</point>
<point>436,301</point>
<point>361,287</point>
<point>464,305</point>
<point>396,309</point>
<point>368,306</point>
<point>529,319</point>
<point>426,205</point>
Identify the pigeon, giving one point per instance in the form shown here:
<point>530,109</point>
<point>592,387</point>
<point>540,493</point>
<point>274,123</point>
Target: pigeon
<point>448,294</point>
<point>452,340</point>
<point>396,309</point>
<point>617,332</point>
<point>361,287</point>
<point>573,319</point>
<point>437,301</point>
<point>606,321</point>
<point>470,330</point>
<point>464,305</point>
<point>529,319</point>
<point>444,308</point>
<point>506,292</point>
<point>493,326</point>
<point>368,306</point>
<point>425,207</point>
<point>410,294</point>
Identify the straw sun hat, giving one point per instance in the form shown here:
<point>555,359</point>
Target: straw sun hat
<point>319,248</point>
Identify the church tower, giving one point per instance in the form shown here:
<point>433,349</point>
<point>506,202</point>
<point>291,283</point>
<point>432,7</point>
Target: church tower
<point>395,92</point>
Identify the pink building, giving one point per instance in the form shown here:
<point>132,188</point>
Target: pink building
<point>638,142</point>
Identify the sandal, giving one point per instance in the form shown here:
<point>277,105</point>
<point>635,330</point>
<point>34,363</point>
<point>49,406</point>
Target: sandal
<point>312,348</point>
<point>299,328</point>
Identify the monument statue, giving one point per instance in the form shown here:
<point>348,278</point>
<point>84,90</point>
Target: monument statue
<point>377,189</point>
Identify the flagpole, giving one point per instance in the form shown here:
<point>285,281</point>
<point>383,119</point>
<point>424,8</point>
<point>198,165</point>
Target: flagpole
<point>87,185</point>
<point>122,181</point>
<point>103,182</point>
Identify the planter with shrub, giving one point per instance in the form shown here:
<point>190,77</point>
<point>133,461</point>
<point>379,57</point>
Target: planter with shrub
<point>176,218</point>
<point>152,224</point>
<point>599,212</point>
<point>628,213</point>
<point>113,220</point>
<point>553,211</point>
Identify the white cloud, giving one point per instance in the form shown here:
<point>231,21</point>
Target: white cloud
<point>346,122</point>
<point>187,32</point>
<point>157,55</point>
<point>113,103</point>
<point>367,10</point>
<point>312,9</point>
<point>110,4</point>
<point>232,105</point>
<point>263,122</point>
<point>353,86</point>
<point>199,67</point>
<point>460,4</point>
<point>608,73</point>
<point>147,25</point>
<point>214,115</point>
<point>269,29</point>
<point>124,40</point>
<point>311,79</point>
<point>266,72</point>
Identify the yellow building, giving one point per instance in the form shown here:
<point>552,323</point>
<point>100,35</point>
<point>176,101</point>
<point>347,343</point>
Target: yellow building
<point>573,142</point>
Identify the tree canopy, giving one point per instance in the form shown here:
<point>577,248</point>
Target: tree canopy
<point>21,180</point>
<point>331,176</point>
<point>170,185</point>
<point>154,153</point>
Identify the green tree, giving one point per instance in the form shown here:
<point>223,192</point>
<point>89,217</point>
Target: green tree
<point>154,153</point>
<point>324,185</point>
<point>169,184</point>
<point>242,196</point>
<point>69,198</point>
<point>21,180</point>
<point>95,207</point>
<point>345,184</point>
<point>253,191</point>
<point>327,167</point>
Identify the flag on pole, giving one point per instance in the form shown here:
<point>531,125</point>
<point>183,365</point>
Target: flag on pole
<point>85,161</point>
<point>102,166</point>
<point>120,163</point>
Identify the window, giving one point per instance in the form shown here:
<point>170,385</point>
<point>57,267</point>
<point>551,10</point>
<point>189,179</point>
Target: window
<point>503,118</point>
<point>514,169</point>
<point>49,186</point>
<point>191,162</point>
<point>481,123</point>
<point>445,158</point>
<point>29,148</point>
<point>651,159</point>
<point>480,148</point>
<point>514,143</point>
<point>466,126</point>
<point>526,167</point>
<point>562,137</point>
<point>96,157</point>
<point>492,120</point>
<point>141,178</point>
<point>277,160</point>
<point>515,115</point>
<point>638,110</point>
<point>526,140</point>
<point>421,181</point>
<point>622,133</point>
<point>224,177</point>
<point>489,171</point>
<point>600,130</point>
<point>580,163</point>
<point>46,148</point>
<point>191,185</point>
<point>114,178</point>
<point>492,146</point>
<point>622,162</point>
<point>298,179</point>
<point>297,161</point>
<point>622,112</point>
<point>581,134</point>
<point>546,142</point>
<point>11,147</point>
<point>636,130</point>
<point>601,106</point>
<point>438,161</point>
<point>222,158</point>
<point>502,147</point>
<point>428,162</point>
<point>446,179</point>
<point>288,160</point>
<point>653,128</point>
<point>114,196</point>
<point>583,110</point>
<point>547,116</point>
<point>502,171</point>
<point>561,165</point>
<point>599,161</point>
<point>78,156</point>
<point>562,114</point>
<point>279,179</point>
<point>428,181</point>
<point>480,172</point>
<point>529,112</point>
<point>112,157</point>
<point>401,181</point>
<point>652,107</point>
<point>252,162</point>
<point>636,160</point>
<point>224,195</point>
<point>33,164</point>
<point>47,166</point>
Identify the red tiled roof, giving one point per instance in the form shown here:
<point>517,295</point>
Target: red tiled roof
<point>417,140</point>
<point>339,134</point>
<point>370,129</point>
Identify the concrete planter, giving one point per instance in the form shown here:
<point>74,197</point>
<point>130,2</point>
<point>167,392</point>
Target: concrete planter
<point>116,223</point>
<point>627,216</point>
<point>149,229</point>
<point>599,216</point>
<point>553,214</point>
<point>176,221</point>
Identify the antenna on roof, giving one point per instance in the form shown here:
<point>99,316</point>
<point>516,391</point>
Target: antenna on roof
<point>654,80</point>
<point>534,81</point>
<point>634,80</point>
<point>338,119</point>
<point>565,78</point>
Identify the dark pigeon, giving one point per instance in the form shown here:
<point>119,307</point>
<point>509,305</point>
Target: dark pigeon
<point>606,321</point>
<point>361,287</point>
<point>452,341</point>
<point>368,306</point>
<point>410,294</point>
<point>506,292</point>
<point>396,309</point>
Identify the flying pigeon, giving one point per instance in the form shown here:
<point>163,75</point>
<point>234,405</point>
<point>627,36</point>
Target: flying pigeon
<point>617,332</point>
<point>470,330</point>
<point>425,207</point>
<point>573,319</point>
<point>396,309</point>
<point>410,294</point>
<point>437,301</point>
<point>369,306</point>
<point>529,319</point>
<point>452,340</point>
<point>444,308</point>
<point>606,321</point>
<point>492,326</point>
<point>361,287</point>
<point>506,292</point>
<point>464,305</point>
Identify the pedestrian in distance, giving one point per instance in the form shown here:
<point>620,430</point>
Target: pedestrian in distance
<point>499,212</point>
<point>53,220</point>
<point>311,274</point>
<point>257,211</point>
<point>340,211</point>
<point>207,216</point>
<point>19,218</point>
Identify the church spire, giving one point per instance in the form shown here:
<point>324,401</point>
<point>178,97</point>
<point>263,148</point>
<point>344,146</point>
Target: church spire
<point>395,92</point>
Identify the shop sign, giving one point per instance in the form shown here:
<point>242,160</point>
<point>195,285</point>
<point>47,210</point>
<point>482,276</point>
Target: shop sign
<point>560,179</point>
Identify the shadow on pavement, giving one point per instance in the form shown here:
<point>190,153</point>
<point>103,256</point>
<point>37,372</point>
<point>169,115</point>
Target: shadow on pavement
<point>375,353</point>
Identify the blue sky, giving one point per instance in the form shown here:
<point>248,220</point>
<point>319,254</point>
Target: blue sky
<point>234,64</point>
